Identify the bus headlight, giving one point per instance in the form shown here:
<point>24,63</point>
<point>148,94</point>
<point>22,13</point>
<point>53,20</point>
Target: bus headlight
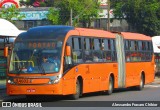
<point>10,81</point>
<point>55,79</point>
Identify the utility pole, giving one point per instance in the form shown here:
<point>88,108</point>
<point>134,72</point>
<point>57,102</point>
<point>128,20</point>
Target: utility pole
<point>71,16</point>
<point>108,10</point>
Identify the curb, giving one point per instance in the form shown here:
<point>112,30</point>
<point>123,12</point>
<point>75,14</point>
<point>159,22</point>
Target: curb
<point>9,98</point>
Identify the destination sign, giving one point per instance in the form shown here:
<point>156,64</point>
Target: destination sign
<point>41,45</point>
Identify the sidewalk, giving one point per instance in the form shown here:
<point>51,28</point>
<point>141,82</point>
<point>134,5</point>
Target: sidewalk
<point>156,80</point>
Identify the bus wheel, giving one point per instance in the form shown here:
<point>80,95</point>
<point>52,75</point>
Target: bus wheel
<point>78,91</point>
<point>111,86</point>
<point>141,86</point>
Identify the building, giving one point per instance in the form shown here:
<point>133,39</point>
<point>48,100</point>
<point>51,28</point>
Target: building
<point>33,17</point>
<point>115,25</point>
<point>37,17</point>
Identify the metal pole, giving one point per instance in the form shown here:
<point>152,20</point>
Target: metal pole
<point>71,17</point>
<point>108,9</point>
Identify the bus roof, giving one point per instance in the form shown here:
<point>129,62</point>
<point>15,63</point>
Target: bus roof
<point>135,36</point>
<point>61,30</point>
<point>8,29</point>
<point>95,32</point>
<point>46,32</point>
<point>156,37</point>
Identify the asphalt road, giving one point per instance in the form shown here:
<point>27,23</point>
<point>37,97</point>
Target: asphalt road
<point>150,94</point>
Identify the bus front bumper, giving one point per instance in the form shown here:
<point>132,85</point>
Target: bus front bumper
<point>54,89</point>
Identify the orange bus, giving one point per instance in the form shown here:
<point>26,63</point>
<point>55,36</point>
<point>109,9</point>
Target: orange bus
<point>63,60</point>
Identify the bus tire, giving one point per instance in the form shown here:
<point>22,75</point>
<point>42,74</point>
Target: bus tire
<point>78,91</point>
<point>141,85</point>
<point>110,87</point>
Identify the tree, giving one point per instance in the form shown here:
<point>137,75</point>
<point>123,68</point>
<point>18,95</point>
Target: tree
<point>53,16</point>
<point>142,15</point>
<point>11,13</point>
<point>90,11</point>
<point>26,3</point>
<point>37,3</point>
<point>83,10</point>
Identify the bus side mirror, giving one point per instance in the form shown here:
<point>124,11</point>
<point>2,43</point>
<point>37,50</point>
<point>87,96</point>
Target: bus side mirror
<point>68,51</point>
<point>5,51</point>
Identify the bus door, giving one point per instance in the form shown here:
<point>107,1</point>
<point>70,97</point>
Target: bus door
<point>121,61</point>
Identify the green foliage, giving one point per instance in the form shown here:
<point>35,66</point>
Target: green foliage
<point>50,3</point>
<point>89,12</point>
<point>83,10</point>
<point>11,13</point>
<point>53,15</point>
<point>42,4</point>
<point>26,2</point>
<point>46,3</point>
<point>142,15</point>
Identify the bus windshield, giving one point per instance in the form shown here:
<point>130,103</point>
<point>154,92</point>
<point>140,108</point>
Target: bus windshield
<point>36,57</point>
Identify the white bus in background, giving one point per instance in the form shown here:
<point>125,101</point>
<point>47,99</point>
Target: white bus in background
<point>8,33</point>
<point>156,49</point>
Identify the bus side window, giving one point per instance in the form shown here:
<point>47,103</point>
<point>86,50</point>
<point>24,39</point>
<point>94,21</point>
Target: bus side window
<point>136,45</point>
<point>97,54</point>
<point>126,45</point>
<point>140,45</point>
<point>132,51</point>
<point>143,51</point>
<point>107,51</point>
<point>87,50</point>
<point>77,50</point>
<point>113,50</point>
<point>127,48</point>
<point>132,46</point>
<point>140,50</point>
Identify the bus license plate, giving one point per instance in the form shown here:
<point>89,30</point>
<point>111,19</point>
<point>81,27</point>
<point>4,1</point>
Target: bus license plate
<point>23,81</point>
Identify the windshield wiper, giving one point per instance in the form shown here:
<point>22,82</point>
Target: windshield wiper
<point>19,71</point>
<point>20,68</point>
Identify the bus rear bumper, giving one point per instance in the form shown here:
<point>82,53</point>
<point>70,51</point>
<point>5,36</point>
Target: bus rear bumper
<point>34,89</point>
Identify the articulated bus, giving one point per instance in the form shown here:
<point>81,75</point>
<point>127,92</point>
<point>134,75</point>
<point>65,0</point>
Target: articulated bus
<point>156,49</point>
<point>63,60</point>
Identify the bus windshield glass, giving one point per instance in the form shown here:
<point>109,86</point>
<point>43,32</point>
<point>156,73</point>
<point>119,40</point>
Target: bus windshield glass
<point>36,57</point>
